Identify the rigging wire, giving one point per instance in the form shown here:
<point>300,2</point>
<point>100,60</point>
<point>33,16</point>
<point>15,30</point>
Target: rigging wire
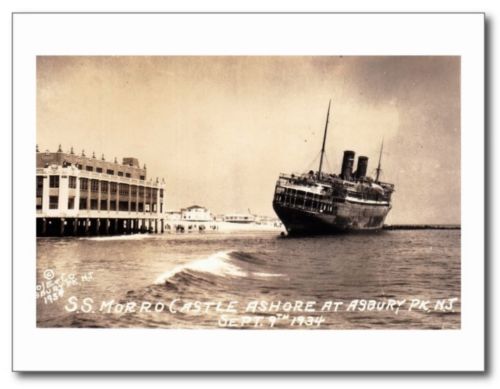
<point>310,166</point>
<point>374,173</point>
<point>328,166</point>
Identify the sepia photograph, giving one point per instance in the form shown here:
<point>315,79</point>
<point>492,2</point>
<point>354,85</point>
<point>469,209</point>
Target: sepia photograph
<point>248,192</point>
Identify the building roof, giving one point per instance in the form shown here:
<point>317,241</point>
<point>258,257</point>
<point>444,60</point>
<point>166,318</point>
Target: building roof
<point>195,207</point>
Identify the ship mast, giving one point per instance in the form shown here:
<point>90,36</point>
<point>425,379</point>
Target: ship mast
<point>379,160</point>
<point>324,141</point>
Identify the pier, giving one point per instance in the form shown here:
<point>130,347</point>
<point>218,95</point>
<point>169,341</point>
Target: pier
<point>81,226</point>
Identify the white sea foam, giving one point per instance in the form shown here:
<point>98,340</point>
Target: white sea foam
<point>120,237</point>
<point>217,264</point>
<point>267,275</point>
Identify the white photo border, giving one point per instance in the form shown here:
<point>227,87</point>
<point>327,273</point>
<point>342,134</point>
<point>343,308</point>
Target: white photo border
<point>41,349</point>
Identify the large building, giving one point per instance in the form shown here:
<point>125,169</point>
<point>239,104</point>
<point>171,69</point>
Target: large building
<point>196,213</point>
<point>80,195</point>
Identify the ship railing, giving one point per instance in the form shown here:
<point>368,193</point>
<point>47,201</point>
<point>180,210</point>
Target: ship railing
<point>289,175</point>
<point>302,181</point>
<point>309,201</point>
<point>367,196</point>
<point>305,179</point>
<point>312,205</point>
<point>292,176</point>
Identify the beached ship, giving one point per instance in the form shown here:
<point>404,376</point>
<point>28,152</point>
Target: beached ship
<point>323,203</point>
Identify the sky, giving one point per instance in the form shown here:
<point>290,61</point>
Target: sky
<point>219,130</point>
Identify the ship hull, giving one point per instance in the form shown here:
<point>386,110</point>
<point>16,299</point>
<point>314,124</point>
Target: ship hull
<point>348,217</point>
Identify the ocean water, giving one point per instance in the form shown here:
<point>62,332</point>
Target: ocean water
<point>402,279</point>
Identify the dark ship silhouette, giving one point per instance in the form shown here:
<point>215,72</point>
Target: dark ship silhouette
<point>322,203</point>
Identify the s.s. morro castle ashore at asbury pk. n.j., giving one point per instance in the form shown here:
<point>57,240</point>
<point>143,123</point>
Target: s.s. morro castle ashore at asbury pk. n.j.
<point>78,195</point>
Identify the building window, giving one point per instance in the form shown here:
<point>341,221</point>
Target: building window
<point>104,187</point>
<point>93,203</point>
<point>123,206</point>
<point>148,192</point>
<point>120,174</point>
<point>155,193</point>
<point>104,205</point>
<point>84,184</point>
<point>142,178</point>
<point>39,182</point>
<point>39,186</point>
<point>141,207</point>
<point>79,166</point>
<point>98,169</point>
<point>133,207</point>
<point>38,203</point>
<point>53,202</point>
<point>54,181</point>
<point>71,203</point>
<point>94,185</point>
<point>72,182</point>
<point>112,187</point>
<point>112,205</point>
<point>89,168</point>
<point>83,203</point>
<point>161,192</point>
<point>127,175</point>
<point>141,191</point>
<point>123,189</point>
<point>110,172</point>
<point>133,190</point>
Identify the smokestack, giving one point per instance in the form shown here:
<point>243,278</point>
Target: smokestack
<point>347,164</point>
<point>362,166</point>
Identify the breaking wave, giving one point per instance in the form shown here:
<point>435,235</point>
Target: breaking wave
<point>220,264</point>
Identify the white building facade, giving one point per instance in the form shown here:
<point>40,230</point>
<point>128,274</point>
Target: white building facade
<point>76,195</point>
<point>196,213</point>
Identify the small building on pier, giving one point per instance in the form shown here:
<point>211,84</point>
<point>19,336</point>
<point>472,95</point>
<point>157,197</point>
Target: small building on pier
<point>80,195</point>
<point>196,213</point>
